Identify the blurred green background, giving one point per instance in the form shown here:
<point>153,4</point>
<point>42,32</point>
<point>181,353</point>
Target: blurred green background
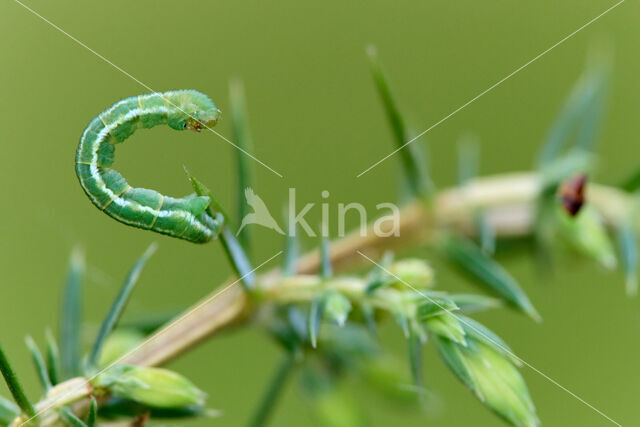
<point>316,119</point>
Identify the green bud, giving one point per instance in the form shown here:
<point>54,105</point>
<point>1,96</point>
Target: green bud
<point>337,308</point>
<point>491,375</point>
<point>120,342</point>
<point>587,234</point>
<point>415,272</point>
<point>500,385</point>
<point>159,388</point>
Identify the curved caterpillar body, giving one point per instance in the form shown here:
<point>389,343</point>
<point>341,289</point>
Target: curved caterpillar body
<point>185,217</point>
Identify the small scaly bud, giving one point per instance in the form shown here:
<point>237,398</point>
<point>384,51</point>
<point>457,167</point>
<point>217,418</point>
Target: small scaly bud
<point>501,386</point>
<point>415,272</point>
<point>337,308</point>
<point>493,378</point>
<point>159,388</point>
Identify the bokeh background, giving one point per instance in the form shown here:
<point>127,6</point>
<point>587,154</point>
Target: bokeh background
<point>316,119</point>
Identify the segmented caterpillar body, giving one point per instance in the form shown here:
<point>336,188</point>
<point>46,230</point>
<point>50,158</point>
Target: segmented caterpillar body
<point>185,217</point>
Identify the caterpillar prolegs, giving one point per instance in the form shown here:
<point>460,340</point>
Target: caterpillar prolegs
<point>185,217</point>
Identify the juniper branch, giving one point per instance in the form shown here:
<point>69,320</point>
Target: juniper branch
<point>509,202</point>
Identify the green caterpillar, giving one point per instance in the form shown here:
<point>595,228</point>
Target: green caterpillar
<point>186,217</point>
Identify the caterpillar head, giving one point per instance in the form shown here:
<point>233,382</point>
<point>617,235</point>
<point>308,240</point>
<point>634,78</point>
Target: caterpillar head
<point>194,111</point>
<point>202,119</point>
